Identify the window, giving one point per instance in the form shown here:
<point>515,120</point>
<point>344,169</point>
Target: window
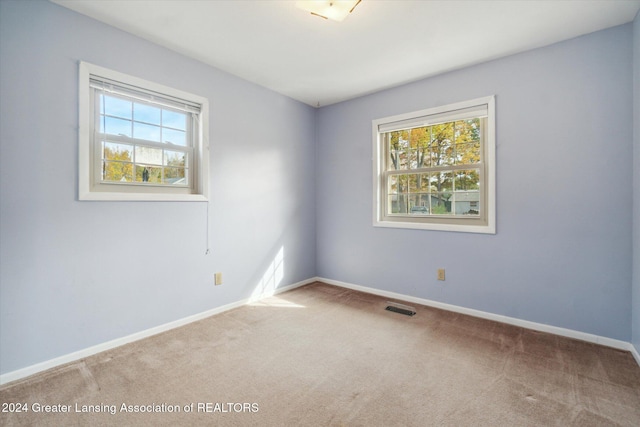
<point>435,169</point>
<point>140,140</point>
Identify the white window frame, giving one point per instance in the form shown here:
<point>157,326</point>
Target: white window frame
<point>486,223</point>
<point>90,187</point>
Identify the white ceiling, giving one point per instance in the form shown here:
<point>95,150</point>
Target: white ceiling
<point>380,45</point>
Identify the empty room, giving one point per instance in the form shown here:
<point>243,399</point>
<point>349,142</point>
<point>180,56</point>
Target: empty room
<point>340,213</point>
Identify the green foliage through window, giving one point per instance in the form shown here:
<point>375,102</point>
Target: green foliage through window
<point>440,169</point>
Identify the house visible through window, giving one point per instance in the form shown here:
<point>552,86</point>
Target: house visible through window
<point>140,140</point>
<point>434,169</point>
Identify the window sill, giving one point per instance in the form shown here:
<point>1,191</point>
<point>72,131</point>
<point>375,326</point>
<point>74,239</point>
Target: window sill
<point>480,229</point>
<point>141,197</point>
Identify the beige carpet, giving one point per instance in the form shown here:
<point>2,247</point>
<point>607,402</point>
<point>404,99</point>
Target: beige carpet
<point>322,355</point>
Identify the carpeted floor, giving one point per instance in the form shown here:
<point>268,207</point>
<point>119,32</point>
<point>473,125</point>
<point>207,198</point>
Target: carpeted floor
<point>322,355</point>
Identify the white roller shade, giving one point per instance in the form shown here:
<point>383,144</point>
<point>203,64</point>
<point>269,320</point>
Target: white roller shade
<point>109,86</point>
<point>467,113</point>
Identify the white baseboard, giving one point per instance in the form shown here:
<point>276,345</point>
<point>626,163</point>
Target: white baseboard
<point>634,352</point>
<point>72,357</point>
<point>609,342</point>
<point>90,351</point>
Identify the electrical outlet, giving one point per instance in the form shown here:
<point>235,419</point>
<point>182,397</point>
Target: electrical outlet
<point>441,274</point>
<point>217,279</point>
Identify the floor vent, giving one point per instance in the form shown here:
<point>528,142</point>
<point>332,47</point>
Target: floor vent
<point>399,308</point>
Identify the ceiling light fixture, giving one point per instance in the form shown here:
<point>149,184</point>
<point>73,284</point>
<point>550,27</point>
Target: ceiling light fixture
<point>335,10</point>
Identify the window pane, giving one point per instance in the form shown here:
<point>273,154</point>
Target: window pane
<point>442,134</point>
<point>441,204</point>
<point>419,137</point>
<point>434,156</point>
<point>419,204</point>
<point>148,174</point>
<point>176,137</point>
<point>466,202</point>
<point>146,132</point>
<point>413,183</point>
<point>474,129</point>
<point>419,210</point>
<point>113,151</point>
<point>423,156</point>
<point>435,182</point>
<point>447,155</point>
<point>175,176</point>
<point>412,158</point>
<point>424,183</point>
<point>468,153</point>
<point>443,181</point>
<point>467,131</point>
<point>391,160</point>
<point>112,106</point>
<point>148,155</point>
<point>467,180</point>
<point>397,189</point>
<point>398,203</point>
<point>418,183</point>
<point>392,203</point>
<point>394,184</point>
<point>174,120</point>
<point>397,151</point>
<point>117,171</point>
<point>397,159</point>
<point>417,157</point>
<point>174,158</point>
<point>115,126</point>
<point>146,113</point>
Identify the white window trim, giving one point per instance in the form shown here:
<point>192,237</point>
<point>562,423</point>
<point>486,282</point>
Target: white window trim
<point>490,171</point>
<point>85,190</point>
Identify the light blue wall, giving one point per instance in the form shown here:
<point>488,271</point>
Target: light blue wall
<point>76,274</point>
<point>561,256</point>
<point>636,184</point>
